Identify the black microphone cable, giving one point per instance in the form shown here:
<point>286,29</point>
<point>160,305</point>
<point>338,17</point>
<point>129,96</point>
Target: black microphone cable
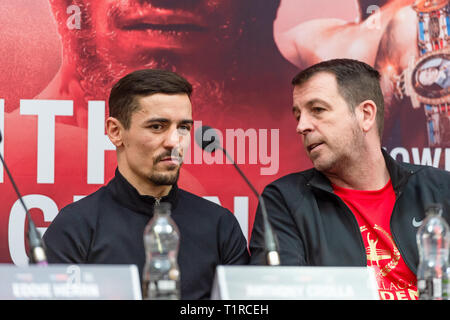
<point>37,252</point>
<point>272,255</point>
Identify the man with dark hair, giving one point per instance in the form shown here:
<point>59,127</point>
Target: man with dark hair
<point>355,83</point>
<point>150,122</point>
<point>125,93</point>
<point>357,206</point>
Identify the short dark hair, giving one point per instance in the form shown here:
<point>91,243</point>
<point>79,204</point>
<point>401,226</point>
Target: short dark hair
<point>356,82</point>
<point>141,83</point>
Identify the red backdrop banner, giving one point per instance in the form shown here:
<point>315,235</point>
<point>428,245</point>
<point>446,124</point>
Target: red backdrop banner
<point>59,59</point>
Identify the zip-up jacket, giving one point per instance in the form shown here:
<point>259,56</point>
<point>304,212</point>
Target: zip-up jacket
<point>314,227</point>
<point>107,227</point>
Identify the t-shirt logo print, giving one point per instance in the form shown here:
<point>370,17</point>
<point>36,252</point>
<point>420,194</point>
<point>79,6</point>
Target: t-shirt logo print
<point>375,255</point>
<point>393,279</point>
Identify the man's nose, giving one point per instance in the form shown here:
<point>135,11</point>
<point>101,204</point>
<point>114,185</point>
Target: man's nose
<point>172,139</point>
<point>304,124</point>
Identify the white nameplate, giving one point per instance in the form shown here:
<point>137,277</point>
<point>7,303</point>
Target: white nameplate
<point>70,282</point>
<point>297,283</point>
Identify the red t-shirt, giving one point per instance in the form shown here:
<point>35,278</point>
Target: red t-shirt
<point>373,210</point>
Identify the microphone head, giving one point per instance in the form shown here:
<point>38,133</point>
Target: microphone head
<point>207,138</point>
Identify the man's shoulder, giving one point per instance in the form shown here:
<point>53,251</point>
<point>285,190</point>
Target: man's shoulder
<point>294,179</point>
<point>203,209</point>
<point>421,169</point>
<point>77,217</point>
<point>430,174</point>
<point>432,170</point>
<point>86,205</point>
<point>188,198</point>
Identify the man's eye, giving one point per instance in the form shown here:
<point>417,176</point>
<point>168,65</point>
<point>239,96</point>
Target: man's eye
<point>184,129</point>
<point>318,109</point>
<point>155,126</point>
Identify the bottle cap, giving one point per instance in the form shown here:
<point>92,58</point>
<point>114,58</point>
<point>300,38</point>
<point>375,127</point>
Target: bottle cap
<point>162,207</point>
<point>434,208</point>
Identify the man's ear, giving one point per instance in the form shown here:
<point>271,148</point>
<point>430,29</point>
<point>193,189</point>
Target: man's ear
<point>367,112</point>
<point>114,130</point>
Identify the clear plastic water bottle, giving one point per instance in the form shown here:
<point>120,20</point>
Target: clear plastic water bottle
<point>433,240</point>
<point>161,276</point>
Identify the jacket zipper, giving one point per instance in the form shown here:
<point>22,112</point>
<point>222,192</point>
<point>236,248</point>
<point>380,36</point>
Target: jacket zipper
<point>355,224</point>
<point>398,194</point>
<point>157,201</point>
<point>394,237</point>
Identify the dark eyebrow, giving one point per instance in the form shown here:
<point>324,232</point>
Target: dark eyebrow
<point>190,121</point>
<point>314,101</point>
<point>165,120</point>
<point>157,120</point>
<point>310,103</point>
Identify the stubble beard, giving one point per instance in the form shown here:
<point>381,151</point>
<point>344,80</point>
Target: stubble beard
<point>165,179</point>
<point>340,160</point>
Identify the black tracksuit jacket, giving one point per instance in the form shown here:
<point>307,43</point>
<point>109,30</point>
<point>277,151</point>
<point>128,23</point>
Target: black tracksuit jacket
<point>315,227</point>
<point>107,227</point>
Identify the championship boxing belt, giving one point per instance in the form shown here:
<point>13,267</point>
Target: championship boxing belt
<point>427,79</point>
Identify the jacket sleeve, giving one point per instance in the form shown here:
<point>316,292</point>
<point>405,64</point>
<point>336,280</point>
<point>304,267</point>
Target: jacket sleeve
<point>233,246</point>
<point>290,244</point>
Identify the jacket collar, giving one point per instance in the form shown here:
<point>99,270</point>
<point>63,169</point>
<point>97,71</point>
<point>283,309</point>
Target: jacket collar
<point>399,173</point>
<point>128,196</point>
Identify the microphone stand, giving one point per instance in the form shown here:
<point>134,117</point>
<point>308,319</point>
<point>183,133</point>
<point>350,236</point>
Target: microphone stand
<point>272,255</point>
<point>37,253</point>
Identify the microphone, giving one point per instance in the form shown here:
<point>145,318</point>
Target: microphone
<point>208,139</point>
<point>36,253</point>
